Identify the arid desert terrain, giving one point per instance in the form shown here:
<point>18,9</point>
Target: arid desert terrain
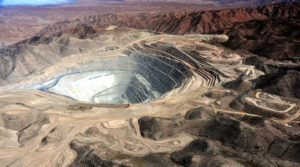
<point>199,84</point>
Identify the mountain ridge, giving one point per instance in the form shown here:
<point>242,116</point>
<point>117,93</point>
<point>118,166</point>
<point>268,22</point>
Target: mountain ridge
<point>241,24</point>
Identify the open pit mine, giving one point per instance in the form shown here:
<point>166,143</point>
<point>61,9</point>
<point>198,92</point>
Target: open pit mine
<point>121,96</point>
<point>88,98</point>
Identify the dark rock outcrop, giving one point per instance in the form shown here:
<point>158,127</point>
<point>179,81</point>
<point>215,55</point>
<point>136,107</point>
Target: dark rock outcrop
<point>283,83</point>
<point>227,140</point>
<point>158,128</point>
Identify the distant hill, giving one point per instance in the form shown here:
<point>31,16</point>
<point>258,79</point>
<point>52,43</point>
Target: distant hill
<point>204,2</point>
<point>270,31</point>
<point>213,2</point>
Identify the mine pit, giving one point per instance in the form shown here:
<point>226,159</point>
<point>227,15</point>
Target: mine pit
<point>123,79</point>
<point>131,93</point>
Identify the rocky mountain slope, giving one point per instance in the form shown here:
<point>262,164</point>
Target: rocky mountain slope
<point>22,22</point>
<point>95,92</point>
<point>203,2</point>
<point>256,29</point>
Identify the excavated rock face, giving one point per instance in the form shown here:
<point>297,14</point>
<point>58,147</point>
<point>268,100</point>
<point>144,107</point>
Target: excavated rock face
<point>131,79</point>
<point>128,68</point>
<point>141,73</point>
<point>126,97</point>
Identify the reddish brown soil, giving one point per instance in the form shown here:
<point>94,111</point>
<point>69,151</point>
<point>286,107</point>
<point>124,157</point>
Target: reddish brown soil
<point>271,31</point>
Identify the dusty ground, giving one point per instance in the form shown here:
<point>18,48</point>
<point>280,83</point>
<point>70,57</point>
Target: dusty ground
<point>214,117</point>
